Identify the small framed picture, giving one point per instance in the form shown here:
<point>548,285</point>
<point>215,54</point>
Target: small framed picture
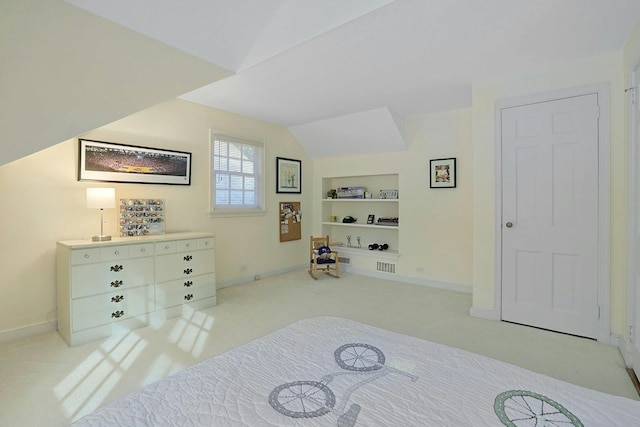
<point>442,173</point>
<point>370,218</point>
<point>288,175</point>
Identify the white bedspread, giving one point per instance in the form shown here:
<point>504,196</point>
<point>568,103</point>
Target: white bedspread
<point>334,372</point>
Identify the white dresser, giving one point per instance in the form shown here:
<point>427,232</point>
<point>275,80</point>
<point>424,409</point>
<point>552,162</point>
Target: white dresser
<point>131,281</point>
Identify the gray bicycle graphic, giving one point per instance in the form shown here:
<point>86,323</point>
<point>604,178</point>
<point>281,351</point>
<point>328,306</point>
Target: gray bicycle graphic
<point>308,399</point>
<point>520,408</point>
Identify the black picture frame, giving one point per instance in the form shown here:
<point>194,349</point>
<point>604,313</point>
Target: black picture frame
<point>112,162</point>
<point>288,176</point>
<point>442,173</point>
<point>370,218</point>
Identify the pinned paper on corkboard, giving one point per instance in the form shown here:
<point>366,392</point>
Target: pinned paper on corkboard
<point>290,219</point>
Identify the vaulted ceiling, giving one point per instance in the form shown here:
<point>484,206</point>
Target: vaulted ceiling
<point>347,72</point>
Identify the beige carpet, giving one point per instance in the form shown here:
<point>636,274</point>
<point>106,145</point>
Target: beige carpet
<point>43,382</point>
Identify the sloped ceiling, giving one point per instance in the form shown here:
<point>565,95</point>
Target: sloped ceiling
<point>351,134</point>
<point>64,71</point>
<point>321,67</point>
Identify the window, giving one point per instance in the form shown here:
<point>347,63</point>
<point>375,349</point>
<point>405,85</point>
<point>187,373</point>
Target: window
<point>237,176</point>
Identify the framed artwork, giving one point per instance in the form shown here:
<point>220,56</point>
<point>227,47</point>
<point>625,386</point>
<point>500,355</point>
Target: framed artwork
<point>107,161</point>
<point>442,173</point>
<point>370,218</point>
<point>288,175</point>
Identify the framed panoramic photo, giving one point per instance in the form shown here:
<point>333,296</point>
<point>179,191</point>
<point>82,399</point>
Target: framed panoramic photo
<point>288,175</point>
<point>442,173</point>
<point>107,161</point>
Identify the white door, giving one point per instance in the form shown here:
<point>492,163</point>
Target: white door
<point>550,215</point>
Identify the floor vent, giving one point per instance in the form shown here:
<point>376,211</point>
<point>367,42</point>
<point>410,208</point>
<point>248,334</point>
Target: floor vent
<point>386,267</point>
<point>344,260</point>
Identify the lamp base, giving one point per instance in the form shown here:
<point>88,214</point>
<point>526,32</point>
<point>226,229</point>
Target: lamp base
<point>101,238</point>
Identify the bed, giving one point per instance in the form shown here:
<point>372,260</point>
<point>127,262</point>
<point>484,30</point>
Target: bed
<point>329,371</point>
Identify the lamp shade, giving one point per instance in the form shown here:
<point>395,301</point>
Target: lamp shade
<point>101,198</point>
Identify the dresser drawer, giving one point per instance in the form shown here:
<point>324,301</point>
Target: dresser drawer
<point>138,251</point>
<point>185,264</point>
<point>187,283</point>
<point>174,293</point>
<point>85,256</point>
<point>206,243</point>
<point>112,253</point>
<point>166,248</point>
<point>104,277</point>
<point>101,309</point>
<point>187,245</point>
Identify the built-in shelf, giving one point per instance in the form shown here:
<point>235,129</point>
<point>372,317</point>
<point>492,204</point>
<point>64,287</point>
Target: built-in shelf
<point>362,200</point>
<point>355,224</point>
<point>366,252</point>
<point>335,210</point>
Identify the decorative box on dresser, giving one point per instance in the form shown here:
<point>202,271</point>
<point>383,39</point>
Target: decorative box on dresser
<point>130,282</point>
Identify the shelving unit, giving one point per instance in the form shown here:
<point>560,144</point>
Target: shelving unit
<point>361,209</point>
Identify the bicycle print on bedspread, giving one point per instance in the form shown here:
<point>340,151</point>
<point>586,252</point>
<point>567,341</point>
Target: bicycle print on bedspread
<point>308,398</point>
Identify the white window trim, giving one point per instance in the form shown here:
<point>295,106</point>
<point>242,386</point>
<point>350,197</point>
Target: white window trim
<point>235,212</point>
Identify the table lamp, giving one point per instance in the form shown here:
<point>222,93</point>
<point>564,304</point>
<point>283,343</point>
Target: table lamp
<point>101,198</point>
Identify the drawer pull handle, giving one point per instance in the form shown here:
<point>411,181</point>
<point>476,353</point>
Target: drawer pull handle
<point>188,271</point>
<point>167,247</point>
<point>117,314</point>
<point>188,283</point>
<point>86,256</point>
<point>188,258</point>
<point>117,298</point>
<point>116,267</point>
<point>116,283</point>
<point>143,250</point>
<point>117,252</point>
<point>188,245</point>
<point>188,297</point>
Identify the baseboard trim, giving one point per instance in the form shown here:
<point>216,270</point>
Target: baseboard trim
<point>634,379</point>
<point>252,278</point>
<point>406,279</point>
<point>485,313</point>
<point>27,331</point>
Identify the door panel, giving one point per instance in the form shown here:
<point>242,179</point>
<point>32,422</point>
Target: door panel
<point>550,199</point>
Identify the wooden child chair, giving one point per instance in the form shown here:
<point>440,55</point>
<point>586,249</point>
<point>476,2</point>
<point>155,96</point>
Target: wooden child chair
<point>323,259</point>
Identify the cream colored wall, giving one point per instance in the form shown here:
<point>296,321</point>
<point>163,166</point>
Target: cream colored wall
<point>435,224</point>
<point>592,71</point>
<point>43,202</point>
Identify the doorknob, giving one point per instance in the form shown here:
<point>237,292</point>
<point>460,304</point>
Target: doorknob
<point>509,224</point>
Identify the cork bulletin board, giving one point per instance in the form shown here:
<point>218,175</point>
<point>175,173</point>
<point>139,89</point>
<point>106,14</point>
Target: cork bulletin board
<point>290,218</point>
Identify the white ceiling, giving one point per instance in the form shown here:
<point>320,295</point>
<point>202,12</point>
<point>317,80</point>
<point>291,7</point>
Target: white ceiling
<point>350,69</point>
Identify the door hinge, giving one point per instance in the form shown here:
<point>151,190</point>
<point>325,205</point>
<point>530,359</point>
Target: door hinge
<point>630,333</point>
<point>598,312</point>
<point>632,91</point>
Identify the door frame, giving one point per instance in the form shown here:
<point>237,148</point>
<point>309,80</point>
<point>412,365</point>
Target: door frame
<point>604,204</point>
<point>630,339</point>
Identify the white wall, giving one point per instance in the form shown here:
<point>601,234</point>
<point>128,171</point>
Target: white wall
<point>591,71</point>
<point>435,224</point>
<point>43,202</point>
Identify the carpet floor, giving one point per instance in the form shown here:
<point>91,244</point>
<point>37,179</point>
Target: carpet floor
<point>44,382</point>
